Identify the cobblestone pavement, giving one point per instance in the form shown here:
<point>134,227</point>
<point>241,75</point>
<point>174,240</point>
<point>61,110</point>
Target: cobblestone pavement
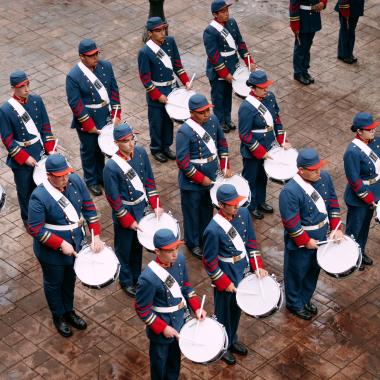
<point>41,37</point>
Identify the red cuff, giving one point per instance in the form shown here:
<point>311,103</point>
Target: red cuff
<point>246,60</point>
<point>222,283</point>
<point>154,94</point>
<point>126,221</point>
<point>88,125</point>
<point>54,241</point>
<point>302,240</point>
<point>223,163</point>
<point>49,146</point>
<point>259,152</point>
<point>118,113</point>
<point>295,26</point>
<point>223,73</point>
<point>198,177</point>
<point>280,139</point>
<point>195,303</point>
<point>334,222</point>
<point>324,2</point>
<point>184,78</point>
<point>158,326</point>
<point>21,157</point>
<point>95,227</point>
<point>153,201</point>
<point>369,198</point>
<point>253,264</point>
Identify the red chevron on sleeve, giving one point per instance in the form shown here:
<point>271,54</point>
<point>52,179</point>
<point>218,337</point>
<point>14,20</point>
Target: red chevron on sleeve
<point>78,109</point>
<point>215,58</point>
<point>115,96</point>
<point>292,222</point>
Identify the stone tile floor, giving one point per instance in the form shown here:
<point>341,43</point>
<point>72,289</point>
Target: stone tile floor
<point>41,37</point>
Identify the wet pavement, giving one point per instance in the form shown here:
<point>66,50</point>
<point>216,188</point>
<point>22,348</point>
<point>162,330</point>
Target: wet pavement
<point>342,342</point>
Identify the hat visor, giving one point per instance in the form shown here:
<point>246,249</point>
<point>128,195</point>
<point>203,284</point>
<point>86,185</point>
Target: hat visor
<point>26,81</point>
<point>165,24</point>
<point>265,84</point>
<point>207,106</point>
<point>125,137</point>
<point>68,170</point>
<point>316,166</point>
<point>173,245</point>
<point>91,52</point>
<point>223,7</point>
<point>235,201</point>
<point>371,126</point>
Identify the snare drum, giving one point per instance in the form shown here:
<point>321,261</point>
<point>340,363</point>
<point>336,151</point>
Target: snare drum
<point>149,225</point>
<point>96,270</point>
<point>340,259</point>
<point>204,344</point>
<point>106,141</point>
<point>283,165</point>
<point>257,300</point>
<point>178,104</point>
<point>39,172</point>
<point>3,198</point>
<point>241,186</point>
<point>239,86</point>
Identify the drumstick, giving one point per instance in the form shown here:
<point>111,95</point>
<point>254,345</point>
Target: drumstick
<point>247,292</point>
<point>114,118</point>
<point>200,314</point>
<point>258,275</point>
<point>225,166</point>
<point>92,239</point>
<point>55,145</point>
<point>249,62</point>
<point>191,80</point>
<point>283,142</point>
<point>332,238</point>
<point>328,241</point>
<point>191,340</point>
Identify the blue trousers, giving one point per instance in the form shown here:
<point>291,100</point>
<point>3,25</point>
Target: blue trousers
<point>92,158</point>
<point>227,313</point>
<point>129,252</point>
<point>160,129</point>
<point>23,177</point>
<point>346,40</point>
<point>197,211</point>
<point>59,284</point>
<point>221,97</point>
<point>301,53</point>
<point>358,222</point>
<point>301,271</point>
<point>165,360</point>
<point>254,173</point>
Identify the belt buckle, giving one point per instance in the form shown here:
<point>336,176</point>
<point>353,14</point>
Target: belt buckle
<point>270,129</point>
<point>180,305</point>
<point>104,103</point>
<point>80,222</point>
<point>235,259</point>
<point>27,143</point>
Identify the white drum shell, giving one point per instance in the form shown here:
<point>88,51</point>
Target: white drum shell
<point>283,165</point>
<point>180,97</point>
<point>239,86</point>
<point>106,141</point>
<point>3,198</point>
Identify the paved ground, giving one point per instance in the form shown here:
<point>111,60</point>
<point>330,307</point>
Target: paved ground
<point>41,37</point>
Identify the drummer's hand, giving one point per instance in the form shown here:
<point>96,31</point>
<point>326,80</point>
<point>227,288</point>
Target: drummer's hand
<point>206,181</point>
<point>227,173</point>
<point>202,316</point>
<point>231,288</point>
<point>135,226</point>
<point>93,130</point>
<point>311,244</point>
<point>338,236</point>
<point>97,245</point>
<point>286,145</point>
<point>163,99</point>
<point>253,66</point>
<point>169,332</point>
<point>67,249</point>
<point>262,272</point>
<point>158,211</point>
<point>188,86</point>
<point>30,161</point>
<point>267,156</point>
<point>229,78</point>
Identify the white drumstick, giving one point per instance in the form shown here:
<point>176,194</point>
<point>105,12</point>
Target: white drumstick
<point>332,238</point>
<point>247,292</point>
<point>329,241</point>
<point>114,118</point>
<point>191,340</point>
<point>258,275</point>
<point>191,80</point>
<point>249,62</point>
<point>283,143</point>
<point>92,239</point>
<point>225,167</point>
<point>200,314</point>
<point>55,146</point>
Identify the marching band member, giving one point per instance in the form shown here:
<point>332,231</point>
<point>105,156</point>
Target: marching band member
<point>309,209</point>
<point>362,168</point>
<point>55,222</point>
<point>129,186</point>
<point>163,291</point>
<point>199,143</point>
<point>223,42</point>
<point>229,242</point>
<point>260,127</point>
<point>26,133</point>
<point>158,60</point>
<point>93,96</point>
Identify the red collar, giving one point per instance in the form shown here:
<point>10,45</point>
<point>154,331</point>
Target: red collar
<point>20,100</point>
<point>126,158</point>
<point>158,261</point>
<point>257,97</point>
<point>225,216</point>
<point>361,139</point>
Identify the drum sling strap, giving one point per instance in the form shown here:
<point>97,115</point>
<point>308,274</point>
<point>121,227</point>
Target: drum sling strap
<point>264,112</point>
<point>224,33</point>
<point>25,118</point>
<point>370,154</point>
<point>160,54</point>
<point>130,174</point>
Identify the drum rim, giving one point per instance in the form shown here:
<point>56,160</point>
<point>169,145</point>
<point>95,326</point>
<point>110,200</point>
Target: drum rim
<point>3,199</point>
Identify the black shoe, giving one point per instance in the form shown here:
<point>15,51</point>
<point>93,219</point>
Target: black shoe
<point>228,358</point>
<point>310,307</point>
<point>95,190</point>
<point>303,314</point>
<point>366,260</point>
<point>226,128</point>
<point>302,79</point>
<point>197,252</point>
<point>160,157</point>
<point>347,60</point>
<point>75,320</point>
<point>239,348</point>
<point>62,327</point>
<point>264,207</point>
<point>231,126</point>
<point>354,59</point>
<point>170,154</point>
<point>256,214</point>
<point>309,77</point>
<point>361,268</point>
<point>130,290</point>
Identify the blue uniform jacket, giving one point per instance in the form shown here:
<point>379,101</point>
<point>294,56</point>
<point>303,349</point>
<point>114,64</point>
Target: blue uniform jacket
<point>80,91</point>
<point>190,146</point>
<point>353,8</point>
<point>306,21</point>
<point>151,69</point>
<point>118,187</point>
<point>218,243</point>
<point>44,209</point>
<point>218,66</point>
<point>12,129</point>
<point>359,167</point>
<point>151,291</point>
<point>297,210</point>
<point>257,144</point>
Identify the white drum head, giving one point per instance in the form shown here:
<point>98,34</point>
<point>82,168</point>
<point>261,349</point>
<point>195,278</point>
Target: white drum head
<point>338,258</point>
<point>283,165</point>
<point>203,344</point>
<point>150,225</point>
<point>39,172</point>
<point>96,269</point>
<point>250,299</point>
<point>178,109</point>
<point>378,211</point>
<point>241,76</point>
<point>106,141</point>
<point>241,186</point>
